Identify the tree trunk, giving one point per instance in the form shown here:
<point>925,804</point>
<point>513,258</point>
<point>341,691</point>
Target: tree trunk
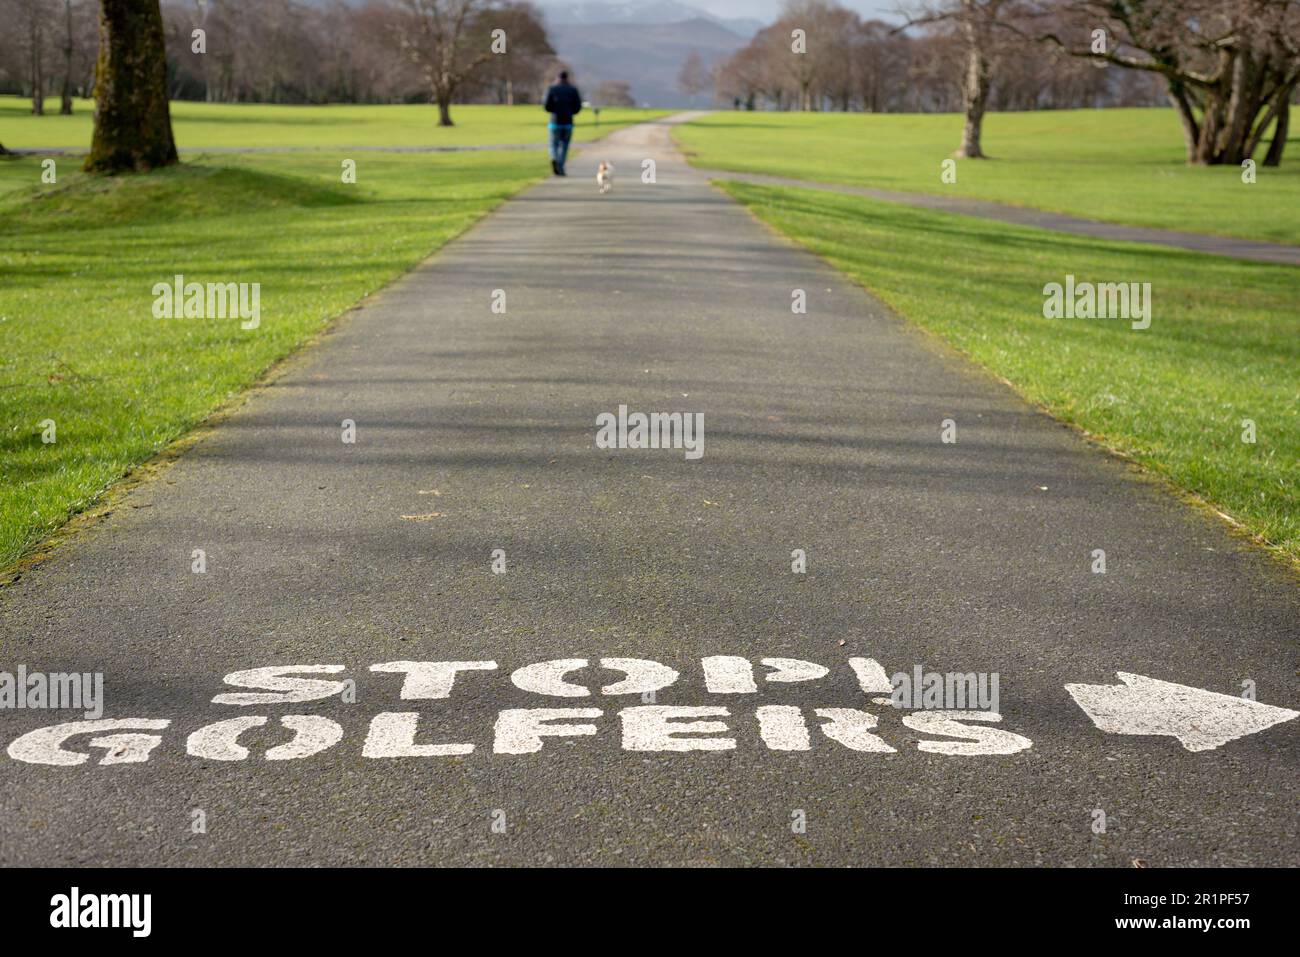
<point>975,94</point>
<point>65,105</point>
<point>1227,122</point>
<point>1241,107</point>
<point>37,38</point>
<point>133,126</point>
<point>1275,148</point>
<point>444,110</point>
<point>1177,94</point>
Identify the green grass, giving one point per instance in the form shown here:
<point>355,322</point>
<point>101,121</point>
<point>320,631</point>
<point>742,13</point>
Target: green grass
<point>199,126</point>
<point>1124,166</point>
<point>1223,346</point>
<point>78,261</point>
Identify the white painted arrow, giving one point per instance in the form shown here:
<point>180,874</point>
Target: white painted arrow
<point>1200,720</point>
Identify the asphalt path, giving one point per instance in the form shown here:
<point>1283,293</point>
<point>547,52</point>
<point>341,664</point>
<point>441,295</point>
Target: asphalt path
<point>476,443</point>
<point>1234,247</point>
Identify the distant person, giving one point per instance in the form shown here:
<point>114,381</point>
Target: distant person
<point>563,102</point>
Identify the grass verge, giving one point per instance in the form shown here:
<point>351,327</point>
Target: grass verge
<point>78,261</point>
<point>1223,345</point>
<point>263,125</point>
<point>1123,166</point>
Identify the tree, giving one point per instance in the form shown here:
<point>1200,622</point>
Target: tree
<point>881,63</point>
<point>1230,67</point>
<point>34,15</point>
<point>694,76</point>
<point>524,63</point>
<point>806,58</point>
<point>975,19</point>
<point>977,23</point>
<point>448,40</point>
<point>801,60</point>
<point>133,125</point>
<point>771,47</point>
<point>614,93</point>
<point>740,77</point>
<point>838,35</point>
<point>69,47</point>
<point>1274,155</point>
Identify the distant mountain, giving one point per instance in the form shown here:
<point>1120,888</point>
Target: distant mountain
<point>649,56</point>
<point>637,12</point>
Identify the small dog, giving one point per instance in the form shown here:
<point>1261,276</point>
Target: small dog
<point>605,176</point>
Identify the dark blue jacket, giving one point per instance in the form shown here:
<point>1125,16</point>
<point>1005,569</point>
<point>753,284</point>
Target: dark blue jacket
<point>563,102</point>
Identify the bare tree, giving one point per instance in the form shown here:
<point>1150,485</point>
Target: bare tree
<point>69,47</point>
<point>844,62</point>
<point>808,54</point>
<point>292,51</point>
<point>614,93</point>
<point>882,61</point>
<point>787,62</point>
<point>372,72</point>
<point>1230,67</point>
<point>34,14</point>
<point>523,64</point>
<point>976,19</point>
<point>28,48</point>
<point>771,47</point>
<point>740,77</point>
<point>837,33</point>
<point>446,40</point>
<point>694,76</point>
<point>133,126</point>
<point>977,23</point>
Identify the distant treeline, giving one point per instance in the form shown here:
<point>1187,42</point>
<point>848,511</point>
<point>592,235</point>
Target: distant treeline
<point>47,49</point>
<point>282,51</point>
<point>866,65</point>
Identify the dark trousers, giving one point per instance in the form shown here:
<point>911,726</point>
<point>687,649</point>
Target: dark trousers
<point>560,136</point>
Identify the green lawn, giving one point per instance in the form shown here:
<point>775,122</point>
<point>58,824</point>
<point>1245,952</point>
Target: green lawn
<point>1124,166</point>
<point>78,261</point>
<point>1223,345</point>
<point>203,125</point>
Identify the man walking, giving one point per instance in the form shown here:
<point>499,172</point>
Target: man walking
<point>563,102</point>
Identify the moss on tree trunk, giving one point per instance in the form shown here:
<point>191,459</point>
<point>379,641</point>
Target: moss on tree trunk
<point>133,126</point>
